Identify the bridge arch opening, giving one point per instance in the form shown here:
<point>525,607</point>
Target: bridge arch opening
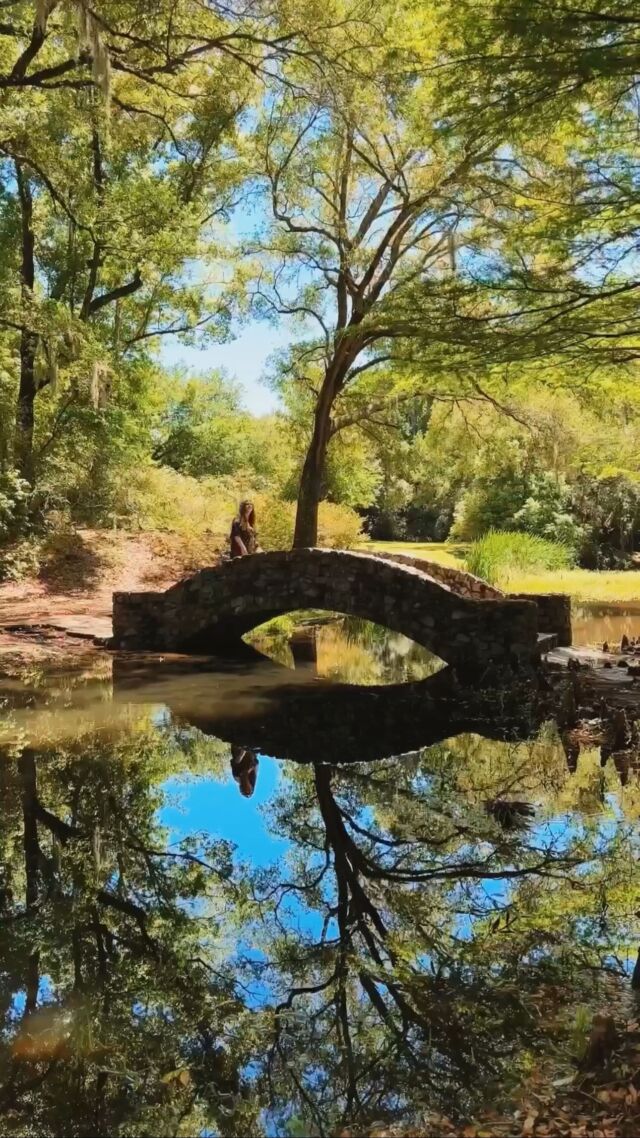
<point>344,648</point>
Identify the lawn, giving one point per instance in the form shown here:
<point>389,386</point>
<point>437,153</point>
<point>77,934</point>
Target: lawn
<point>582,584</point>
<point>442,552</point>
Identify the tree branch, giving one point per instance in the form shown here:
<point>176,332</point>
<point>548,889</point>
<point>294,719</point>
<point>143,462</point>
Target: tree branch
<point>105,298</point>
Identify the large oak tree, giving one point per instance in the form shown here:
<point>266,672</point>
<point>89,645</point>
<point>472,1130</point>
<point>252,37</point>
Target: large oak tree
<point>365,200</point>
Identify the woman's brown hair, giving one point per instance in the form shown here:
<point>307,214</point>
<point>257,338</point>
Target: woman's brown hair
<point>252,513</point>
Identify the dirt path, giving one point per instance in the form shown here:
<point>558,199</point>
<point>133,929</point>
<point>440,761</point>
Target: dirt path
<point>72,595</point>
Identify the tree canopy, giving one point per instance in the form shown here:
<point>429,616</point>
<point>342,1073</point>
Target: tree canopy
<point>436,205</point>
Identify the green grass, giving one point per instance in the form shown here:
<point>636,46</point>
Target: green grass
<point>501,555</point>
<point>581,584</point>
<point>441,552</point>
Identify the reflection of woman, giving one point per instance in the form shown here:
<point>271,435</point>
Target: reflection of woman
<point>244,538</point>
<point>244,768</point>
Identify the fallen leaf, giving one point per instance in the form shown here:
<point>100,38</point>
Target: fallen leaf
<point>528,1125</point>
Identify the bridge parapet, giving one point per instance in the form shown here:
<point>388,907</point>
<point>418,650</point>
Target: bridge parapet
<point>554,609</point>
<point>458,580</point>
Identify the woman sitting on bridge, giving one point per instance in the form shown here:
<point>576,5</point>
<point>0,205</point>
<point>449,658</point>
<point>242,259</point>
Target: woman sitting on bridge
<point>244,538</point>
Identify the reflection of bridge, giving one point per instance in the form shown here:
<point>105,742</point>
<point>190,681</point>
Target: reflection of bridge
<point>294,715</point>
<point>466,625</point>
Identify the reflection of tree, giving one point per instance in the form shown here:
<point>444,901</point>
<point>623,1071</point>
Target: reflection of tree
<point>116,1018</point>
<point>388,653</point>
<point>414,949</point>
<point>434,939</point>
<point>345,648</point>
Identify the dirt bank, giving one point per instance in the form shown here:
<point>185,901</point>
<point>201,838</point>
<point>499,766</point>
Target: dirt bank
<point>68,603</point>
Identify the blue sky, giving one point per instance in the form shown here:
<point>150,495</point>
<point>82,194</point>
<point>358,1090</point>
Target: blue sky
<point>243,359</point>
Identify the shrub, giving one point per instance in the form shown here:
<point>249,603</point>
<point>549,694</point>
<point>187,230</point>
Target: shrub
<point>20,559</point>
<point>14,496</point>
<point>339,527</point>
<point>497,555</point>
<point>488,506</point>
<point>538,504</point>
<point>161,499</point>
<point>547,512</point>
<point>275,521</point>
<point>609,509</point>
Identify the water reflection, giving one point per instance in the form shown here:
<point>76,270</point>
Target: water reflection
<point>345,648</point>
<point>244,768</point>
<point>597,624</point>
<point>341,723</point>
<point>335,944</point>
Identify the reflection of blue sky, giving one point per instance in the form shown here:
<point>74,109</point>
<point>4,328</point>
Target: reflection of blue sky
<point>214,805</point>
<point>218,807</point>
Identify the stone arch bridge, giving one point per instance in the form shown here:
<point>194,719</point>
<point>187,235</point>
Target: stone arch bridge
<point>462,620</point>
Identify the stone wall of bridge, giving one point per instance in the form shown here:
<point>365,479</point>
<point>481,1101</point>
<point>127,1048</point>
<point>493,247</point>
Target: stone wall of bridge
<point>554,614</point>
<point>459,581</point>
<point>554,609</point>
<point>213,609</point>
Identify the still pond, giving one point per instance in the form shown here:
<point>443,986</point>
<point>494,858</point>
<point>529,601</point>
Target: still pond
<point>291,896</point>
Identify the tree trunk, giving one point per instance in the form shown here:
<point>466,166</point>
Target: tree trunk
<point>25,414</point>
<point>32,854</point>
<point>306,529</point>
